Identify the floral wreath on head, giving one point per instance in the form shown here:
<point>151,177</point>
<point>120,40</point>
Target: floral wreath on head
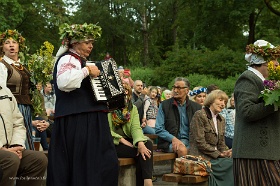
<point>79,32</point>
<point>15,35</point>
<point>268,52</point>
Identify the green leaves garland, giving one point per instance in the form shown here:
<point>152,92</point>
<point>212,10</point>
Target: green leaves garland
<point>40,66</point>
<point>79,32</point>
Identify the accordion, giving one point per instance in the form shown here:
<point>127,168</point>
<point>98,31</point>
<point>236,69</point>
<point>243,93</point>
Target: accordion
<point>107,87</point>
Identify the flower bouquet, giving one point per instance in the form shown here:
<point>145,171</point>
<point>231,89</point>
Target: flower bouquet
<point>40,66</point>
<point>271,93</point>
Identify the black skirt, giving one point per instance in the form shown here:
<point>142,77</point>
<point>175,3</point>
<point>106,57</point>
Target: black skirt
<point>82,152</point>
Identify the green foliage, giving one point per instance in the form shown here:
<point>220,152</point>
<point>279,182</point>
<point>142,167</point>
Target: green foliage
<point>144,74</point>
<point>40,66</point>
<point>11,14</point>
<point>37,101</point>
<point>220,63</point>
<point>182,37</point>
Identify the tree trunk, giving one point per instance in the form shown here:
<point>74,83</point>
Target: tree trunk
<point>251,38</point>
<point>145,38</point>
<point>269,6</point>
<point>174,20</point>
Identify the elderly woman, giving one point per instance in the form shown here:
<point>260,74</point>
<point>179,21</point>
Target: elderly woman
<point>207,138</point>
<point>166,94</point>
<point>130,141</point>
<point>198,94</point>
<point>16,77</point>
<point>81,152</point>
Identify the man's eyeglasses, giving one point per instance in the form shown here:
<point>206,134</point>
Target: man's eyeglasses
<point>179,88</point>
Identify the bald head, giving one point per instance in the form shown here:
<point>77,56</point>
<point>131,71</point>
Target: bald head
<point>138,86</point>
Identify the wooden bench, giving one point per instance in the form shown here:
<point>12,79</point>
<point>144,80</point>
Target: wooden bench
<point>188,179</point>
<point>127,167</point>
<point>157,156</point>
<point>153,137</point>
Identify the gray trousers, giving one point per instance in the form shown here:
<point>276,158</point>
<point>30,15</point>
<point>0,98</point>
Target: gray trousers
<point>28,171</point>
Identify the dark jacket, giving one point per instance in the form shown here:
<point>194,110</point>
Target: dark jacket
<point>139,103</point>
<point>257,127</point>
<point>172,118</point>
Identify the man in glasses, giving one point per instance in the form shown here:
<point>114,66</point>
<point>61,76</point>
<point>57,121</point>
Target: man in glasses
<point>173,119</point>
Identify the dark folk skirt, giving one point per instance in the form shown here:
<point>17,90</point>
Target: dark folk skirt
<point>82,152</point>
<point>27,116</point>
<point>252,172</point>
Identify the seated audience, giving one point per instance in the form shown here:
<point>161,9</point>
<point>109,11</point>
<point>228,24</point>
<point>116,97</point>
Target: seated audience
<point>41,125</point>
<point>229,115</point>
<point>138,98</point>
<point>130,141</point>
<point>25,167</point>
<point>198,94</point>
<point>49,99</point>
<point>150,111</point>
<point>211,87</point>
<point>207,138</point>
<point>125,76</point>
<point>173,119</point>
<point>166,94</point>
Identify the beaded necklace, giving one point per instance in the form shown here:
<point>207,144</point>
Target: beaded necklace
<point>17,66</point>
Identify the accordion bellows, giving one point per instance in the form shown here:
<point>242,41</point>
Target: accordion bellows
<point>193,165</point>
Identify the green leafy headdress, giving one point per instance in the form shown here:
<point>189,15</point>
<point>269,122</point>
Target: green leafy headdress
<point>79,32</point>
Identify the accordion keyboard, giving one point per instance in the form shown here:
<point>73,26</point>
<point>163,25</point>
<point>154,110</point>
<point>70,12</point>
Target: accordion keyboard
<point>98,89</point>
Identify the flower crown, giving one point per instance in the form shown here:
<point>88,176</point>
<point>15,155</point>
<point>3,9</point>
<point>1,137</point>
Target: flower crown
<point>267,52</point>
<point>15,35</point>
<point>79,32</point>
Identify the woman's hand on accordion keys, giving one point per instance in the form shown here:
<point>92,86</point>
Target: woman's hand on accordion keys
<point>93,71</point>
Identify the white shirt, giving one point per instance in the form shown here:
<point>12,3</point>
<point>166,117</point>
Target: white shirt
<point>69,73</point>
<point>257,73</point>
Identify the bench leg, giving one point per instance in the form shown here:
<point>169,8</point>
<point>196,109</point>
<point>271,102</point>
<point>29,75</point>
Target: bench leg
<point>127,175</point>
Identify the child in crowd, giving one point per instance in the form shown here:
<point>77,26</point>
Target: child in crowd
<point>150,111</point>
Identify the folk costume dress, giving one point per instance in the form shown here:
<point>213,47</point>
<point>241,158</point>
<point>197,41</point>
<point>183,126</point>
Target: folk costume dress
<point>81,152</point>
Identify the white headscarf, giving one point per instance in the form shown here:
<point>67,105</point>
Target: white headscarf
<point>255,58</point>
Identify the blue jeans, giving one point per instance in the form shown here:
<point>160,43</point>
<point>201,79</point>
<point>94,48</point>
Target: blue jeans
<point>185,141</point>
<point>148,130</point>
<point>228,142</point>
